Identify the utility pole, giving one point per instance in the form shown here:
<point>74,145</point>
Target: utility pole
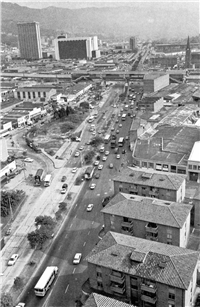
<point>10,207</point>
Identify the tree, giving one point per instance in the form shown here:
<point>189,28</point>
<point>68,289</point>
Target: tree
<point>96,141</point>
<point>18,282</point>
<point>67,126</point>
<point>84,105</point>
<point>10,199</point>
<point>89,156</point>
<point>6,300</point>
<point>45,220</point>
<point>62,206</point>
<point>33,239</point>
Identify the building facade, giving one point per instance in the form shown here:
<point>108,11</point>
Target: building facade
<point>34,93</point>
<point>132,43</point>
<point>147,218</point>
<point>143,272</point>
<point>29,40</point>
<point>151,104</point>
<point>153,82</point>
<point>149,183</point>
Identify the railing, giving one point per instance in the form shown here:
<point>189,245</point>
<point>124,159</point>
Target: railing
<point>116,289</point>
<point>118,279</point>
<point>149,288</point>
<point>148,299</point>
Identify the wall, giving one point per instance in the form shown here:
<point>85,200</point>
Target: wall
<point>161,82</point>
<point>185,232</point>
<point>9,168</point>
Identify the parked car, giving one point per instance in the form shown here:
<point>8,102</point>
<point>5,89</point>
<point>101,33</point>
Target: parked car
<point>96,163</point>
<point>97,175</point>
<point>117,131</point>
<point>92,186</point>
<point>63,178</point>
<point>64,188</point>
<point>20,305</point>
<point>107,153</point>
<point>104,158</point>
<point>110,165</point>
<point>118,156</point>
<point>28,160</point>
<point>13,259</point>
<point>77,258</point>
<point>100,167</point>
<point>77,154</point>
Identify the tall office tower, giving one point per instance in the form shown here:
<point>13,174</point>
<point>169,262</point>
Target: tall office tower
<point>29,40</point>
<point>76,48</point>
<point>133,43</point>
<point>188,55</point>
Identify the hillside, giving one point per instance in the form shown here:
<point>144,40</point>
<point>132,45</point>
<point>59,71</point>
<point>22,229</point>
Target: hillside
<point>148,20</point>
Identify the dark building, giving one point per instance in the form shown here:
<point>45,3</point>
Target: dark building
<point>133,43</point>
<point>188,55</point>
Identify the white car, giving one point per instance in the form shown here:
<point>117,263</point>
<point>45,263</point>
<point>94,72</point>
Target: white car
<point>89,207</point>
<point>104,158</point>
<point>63,191</point>
<point>100,166</point>
<point>120,125</point>
<point>96,163</point>
<point>118,156</point>
<point>92,186</point>
<point>77,258</point>
<point>20,305</point>
<point>94,133</point>
<point>77,153</point>
<point>13,259</point>
<point>74,170</point>
<point>107,153</point>
<point>81,148</point>
<point>28,160</point>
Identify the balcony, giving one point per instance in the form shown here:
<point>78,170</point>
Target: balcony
<point>116,289</point>
<point>153,194</point>
<point>149,288</point>
<point>148,299</point>
<point>151,227</point>
<point>118,279</point>
<point>128,224</point>
<point>151,238</point>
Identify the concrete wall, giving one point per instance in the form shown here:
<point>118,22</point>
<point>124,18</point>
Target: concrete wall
<point>185,232</point>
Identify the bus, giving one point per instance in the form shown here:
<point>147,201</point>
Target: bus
<point>123,116</point>
<point>107,138</point>
<point>121,142</point>
<point>45,280</point>
<point>47,180</point>
<point>89,172</point>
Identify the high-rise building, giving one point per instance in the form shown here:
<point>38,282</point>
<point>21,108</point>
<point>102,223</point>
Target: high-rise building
<point>76,48</point>
<point>29,40</point>
<point>188,55</point>
<point>133,43</point>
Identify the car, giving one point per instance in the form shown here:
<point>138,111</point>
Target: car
<point>120,125</point>
<point>95,115</point>
<point>94,133</point>
<point>100,167</point>
<point>77,258</point>
<point>63,191</point>
<point>118,156</point>
<point>197,303</point>
<point>65,186</point>
<point>20,305</point>
<point>90,207</point>
<point>104,158</point>
<point>127,137</point>
<point>74,170</point>
<point>117,131</point>
<point>96,175</point>
<point>81,148</point>
<point>77,154</point>
<point>63,178</point>
<point>110,165</point>
<point>112,129</point>
<point>132,115</point>
<point>28,160</point>
<point>114,106</point>
<point>13,259</point>
<point>104,117</point>
<point>92,186</point>
<point>107,153</point>
<point>96,163</point>
<point>105,201</point>
<point>123,151</point>
<point>8,231</point>
<point>117,121</point>
<point>87,143</point>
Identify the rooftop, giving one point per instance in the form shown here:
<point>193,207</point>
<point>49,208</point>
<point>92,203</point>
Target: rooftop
<point>150,177</point>
<point>163,263</point>
<point>153,76</point>
<point>177,145</point>
<point>150,210</point>
<point>98,300</point>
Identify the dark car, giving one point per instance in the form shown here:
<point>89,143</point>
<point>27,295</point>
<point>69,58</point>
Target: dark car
<point>197,303</point>
<point>63,178</point>
<point>96,175</point>
<point>105,201</point>
<point>65,186</point>
<point>123,151</point>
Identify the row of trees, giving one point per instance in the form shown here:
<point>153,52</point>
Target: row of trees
<point>10,200</point>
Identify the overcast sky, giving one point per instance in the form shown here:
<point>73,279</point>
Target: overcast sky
<point>83,3</point>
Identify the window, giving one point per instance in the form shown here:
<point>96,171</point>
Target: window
<point>190,166</point>
<point>99,284</point>
<point>24,95</point>
<point>39,94</point>
<point>44,94</point>
<point>18,95</point>
<point>198,167</point>
<point>171,295</point>
<point>99,274</point>
<point>195,167</point>
<point>29,95</point>
<point>33,94</point>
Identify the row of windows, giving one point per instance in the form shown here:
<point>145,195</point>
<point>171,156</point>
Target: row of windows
<point>195,167</point>
<point>29,94</point>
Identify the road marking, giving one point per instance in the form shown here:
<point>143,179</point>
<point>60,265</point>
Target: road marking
<point>84,243</point>
<point>88,232</point>
<point>73,271</point>
<point>75,215</point>
<point>71,225</point>
<point>105,193</point>
<point>66,288</point>
<point>92,222</point>
<point>98,194</point>
<point>59,248</point>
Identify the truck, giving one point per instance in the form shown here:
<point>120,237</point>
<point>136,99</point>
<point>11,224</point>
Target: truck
<point>89,172</point>
<point>38,177</point>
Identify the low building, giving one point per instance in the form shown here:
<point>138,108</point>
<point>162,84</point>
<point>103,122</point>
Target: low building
<point>7,168</point>
<point>143,272</point>
<point>147,218</point>
<point>151,103</point>
<point>138,127</point>
<point>150,183</point>
<point>35,92</point>
<point>155,81</point>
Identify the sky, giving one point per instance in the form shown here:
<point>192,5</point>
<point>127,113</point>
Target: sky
<point>83,3</point>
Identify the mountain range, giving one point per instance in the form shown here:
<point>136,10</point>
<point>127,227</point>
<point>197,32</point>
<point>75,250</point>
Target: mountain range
<point>152,20</point>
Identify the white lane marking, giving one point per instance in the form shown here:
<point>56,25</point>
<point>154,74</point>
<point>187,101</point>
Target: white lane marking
<point>66,288</point>
<point>66,236</point>
<point>73,271</point>
<point>98,194</point>
<point>59,247</point>
<point>88,232</point>
<point>105,193</point>
<point>92,222</point>
<point>75,215</point>
<point>84,243</point>
<point>76,205</point>
<point>71,225</point>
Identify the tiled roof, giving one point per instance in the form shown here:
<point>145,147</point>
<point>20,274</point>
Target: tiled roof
<point>166,264</point>
<point>150,210</point>
<point>158,179</point>
<point>98,300</point>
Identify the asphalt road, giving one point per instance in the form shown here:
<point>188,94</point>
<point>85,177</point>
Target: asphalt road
<point>80,230</point>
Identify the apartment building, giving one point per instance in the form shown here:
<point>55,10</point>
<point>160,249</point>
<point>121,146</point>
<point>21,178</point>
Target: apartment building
<point>147,218</point>
<point>150,183</point>
<point>143,272</point>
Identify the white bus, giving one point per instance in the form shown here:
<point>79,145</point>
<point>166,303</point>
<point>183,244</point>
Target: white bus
<point>107,138</point>
<point>121,142</point>
<point>45,280</point>
<point>123,116</point>
<point>47,180</point>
